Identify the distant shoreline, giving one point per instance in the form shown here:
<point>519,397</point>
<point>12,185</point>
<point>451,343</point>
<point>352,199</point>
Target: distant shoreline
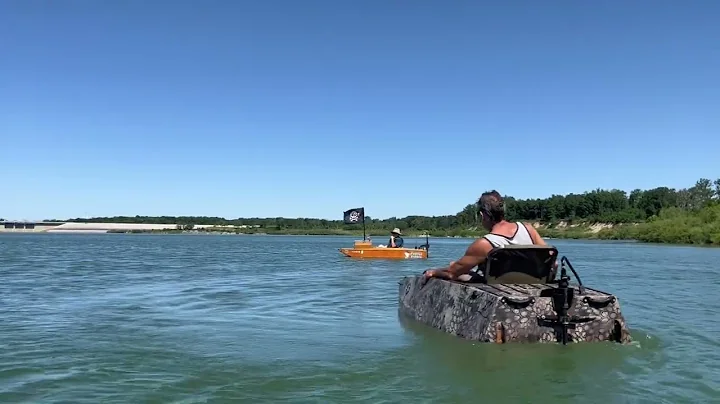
<point>688,216</point>
<point>169,229</point>
<point>561,230</point>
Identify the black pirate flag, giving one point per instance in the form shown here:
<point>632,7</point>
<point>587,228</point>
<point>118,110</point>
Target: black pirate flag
<point>354,216</point>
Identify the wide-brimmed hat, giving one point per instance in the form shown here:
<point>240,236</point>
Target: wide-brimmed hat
<point>396,230</point>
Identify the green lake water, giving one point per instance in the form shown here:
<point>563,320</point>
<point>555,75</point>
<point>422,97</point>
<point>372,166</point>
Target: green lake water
<point>212,319</point>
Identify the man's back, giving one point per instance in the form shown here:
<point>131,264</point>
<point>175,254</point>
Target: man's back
<point>502,237</point>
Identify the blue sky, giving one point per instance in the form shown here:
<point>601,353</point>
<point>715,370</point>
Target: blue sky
<point>308,108</point>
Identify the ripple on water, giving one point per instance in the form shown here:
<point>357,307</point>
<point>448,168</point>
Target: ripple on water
<point>119,318</point>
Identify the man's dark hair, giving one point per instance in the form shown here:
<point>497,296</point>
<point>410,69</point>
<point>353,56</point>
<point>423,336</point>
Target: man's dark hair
<point>491,204</point>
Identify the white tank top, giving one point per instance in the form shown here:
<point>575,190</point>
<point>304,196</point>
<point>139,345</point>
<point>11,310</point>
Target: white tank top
<point>521,237</point>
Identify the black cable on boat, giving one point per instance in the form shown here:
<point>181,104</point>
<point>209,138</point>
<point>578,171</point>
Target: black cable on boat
<point>563,261</point>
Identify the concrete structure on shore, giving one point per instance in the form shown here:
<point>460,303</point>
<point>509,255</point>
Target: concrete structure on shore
<point>83,227</point>
<point>25,226</point>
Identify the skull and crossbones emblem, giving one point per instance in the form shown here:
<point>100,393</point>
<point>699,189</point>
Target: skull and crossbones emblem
<point>354,216</point>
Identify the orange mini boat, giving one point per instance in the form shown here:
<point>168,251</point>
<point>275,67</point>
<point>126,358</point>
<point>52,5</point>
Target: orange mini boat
<point>365,249</point>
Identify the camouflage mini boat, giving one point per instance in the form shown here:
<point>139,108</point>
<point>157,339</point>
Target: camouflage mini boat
<point>516,297</point>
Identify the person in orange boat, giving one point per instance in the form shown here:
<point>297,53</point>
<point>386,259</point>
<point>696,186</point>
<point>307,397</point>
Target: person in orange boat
<point>501,232</point>
<point>396,240</point>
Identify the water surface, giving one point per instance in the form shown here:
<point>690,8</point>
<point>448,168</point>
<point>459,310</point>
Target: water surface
<point>212,319</point>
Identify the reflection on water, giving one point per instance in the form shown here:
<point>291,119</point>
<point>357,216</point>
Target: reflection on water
<point>541,369</point>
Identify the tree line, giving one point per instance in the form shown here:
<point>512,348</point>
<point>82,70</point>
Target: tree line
<point>615,206</point>
<point>607,206</point>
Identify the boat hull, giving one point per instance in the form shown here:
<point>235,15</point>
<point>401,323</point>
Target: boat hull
<point>384,253</point>
<point>502,313</point>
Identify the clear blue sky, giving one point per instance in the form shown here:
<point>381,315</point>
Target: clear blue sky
<point>307,108</point>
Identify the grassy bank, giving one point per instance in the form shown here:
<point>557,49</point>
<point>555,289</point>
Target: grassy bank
<point>671,226</point>
<point>674,226</point>
<point>658,215</point>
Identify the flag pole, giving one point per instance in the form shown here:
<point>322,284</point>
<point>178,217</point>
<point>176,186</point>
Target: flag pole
<point>364,238</point>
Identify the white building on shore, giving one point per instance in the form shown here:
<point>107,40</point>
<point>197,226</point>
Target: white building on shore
<point>11,226</point>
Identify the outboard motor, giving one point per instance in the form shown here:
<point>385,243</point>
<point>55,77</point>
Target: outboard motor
<point>562,299</point>
<point>425,246</point>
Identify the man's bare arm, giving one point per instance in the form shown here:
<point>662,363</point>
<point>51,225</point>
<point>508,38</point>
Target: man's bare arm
<point>475,255</point>
<point>537,239</point>
<point>534,235</point>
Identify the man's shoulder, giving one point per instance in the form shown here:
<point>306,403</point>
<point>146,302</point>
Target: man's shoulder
<point>481,245</point>
<point>531,230</point>
<point>528,225</point>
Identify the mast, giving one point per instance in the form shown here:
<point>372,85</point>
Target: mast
<point>363,224</point>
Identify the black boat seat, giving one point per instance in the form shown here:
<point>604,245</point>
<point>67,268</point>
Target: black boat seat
<point>518,264</point>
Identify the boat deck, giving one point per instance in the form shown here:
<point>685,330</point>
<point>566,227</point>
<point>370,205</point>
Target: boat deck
<point>535,290</point>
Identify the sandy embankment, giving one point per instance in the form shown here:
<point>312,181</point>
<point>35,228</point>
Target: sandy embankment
<point>105,227</point>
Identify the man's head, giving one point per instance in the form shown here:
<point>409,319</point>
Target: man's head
<point>395,232</point>
<point>492,208</point>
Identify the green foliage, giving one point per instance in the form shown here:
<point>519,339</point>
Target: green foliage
<point>678,226</point>
<point>661,214</point>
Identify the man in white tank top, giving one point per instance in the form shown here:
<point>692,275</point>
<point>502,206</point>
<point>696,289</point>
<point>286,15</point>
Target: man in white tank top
<point>501,232</point>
